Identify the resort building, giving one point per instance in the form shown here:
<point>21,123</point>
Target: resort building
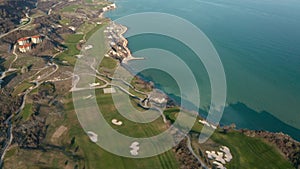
<point>36,39</point>
<point>112,6</point>
<point>23,41</point>
<point>25,48</point>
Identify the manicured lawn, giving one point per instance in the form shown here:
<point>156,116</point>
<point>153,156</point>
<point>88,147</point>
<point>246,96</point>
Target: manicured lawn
<point>251,152</point>
<point>248,152</point>
<point>96,157</point>
<point>74,38</point>
<point>108,63</point>
<point>71,42</point>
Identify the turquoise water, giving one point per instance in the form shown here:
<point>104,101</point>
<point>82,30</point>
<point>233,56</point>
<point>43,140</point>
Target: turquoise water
<point>259,44</point>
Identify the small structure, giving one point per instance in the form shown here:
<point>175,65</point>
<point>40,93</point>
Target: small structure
<point>23,20</point>
<point>23,41</point>
<point>25,48</point>
<point>109,7</point>
<point>79,56</point>
<point>109,90</point>
<point>87,47</point>
<point>36,39</point>
<point>72,28</point>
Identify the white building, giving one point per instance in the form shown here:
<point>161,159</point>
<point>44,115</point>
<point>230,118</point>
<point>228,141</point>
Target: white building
<point>25,48</point>
<point>36,39</point>
<point>23,41</point>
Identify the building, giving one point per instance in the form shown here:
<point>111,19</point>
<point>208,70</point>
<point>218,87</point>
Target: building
<point>23,41</point>
<point>109,7</point>
<point>24,20</point>
<point>36,39</point>
<point>25,48</point>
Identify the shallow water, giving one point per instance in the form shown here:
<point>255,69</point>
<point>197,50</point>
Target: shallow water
<point>259,44</point>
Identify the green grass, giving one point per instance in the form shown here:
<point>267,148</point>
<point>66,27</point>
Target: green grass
<point>251,152</point>
<point>21,88</point>
<point>11,152</point>
<point>95,29</point>
<point>88,1</point>
<point>27,111</point>
<point>108,63</point>
<point>248,152</point>
<point>94,156</point>
<point>93,152</point>
<point>65,21</point>
<point>71,8</point>
<point>86,27</point>
<point>71,42</point>
<point>74,38</point>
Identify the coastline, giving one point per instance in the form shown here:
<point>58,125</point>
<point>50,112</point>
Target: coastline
<point>129,57</point>
<point>125,45</point>
<point>271,137</point>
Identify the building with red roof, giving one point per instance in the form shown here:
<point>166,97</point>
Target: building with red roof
<point>23,41</point>
<point>25,48</point>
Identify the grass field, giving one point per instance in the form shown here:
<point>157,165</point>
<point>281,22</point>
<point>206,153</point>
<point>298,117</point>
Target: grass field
<point>21,88</point>
<point>71,42</point>
<point>71,8</point>
<point>65,21</point>
<point>95,157</point>
<point>251,152</point>
<point>248,152</point>
<point>27,111</point>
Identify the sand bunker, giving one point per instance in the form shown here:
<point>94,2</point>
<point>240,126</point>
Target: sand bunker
<point>134,148</point>
<point>221,157</point>
<point>93,136</point>
<point>116,122</point>
<point>207,124</point>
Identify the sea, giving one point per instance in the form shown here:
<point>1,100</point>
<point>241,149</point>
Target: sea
<point>258,42</point>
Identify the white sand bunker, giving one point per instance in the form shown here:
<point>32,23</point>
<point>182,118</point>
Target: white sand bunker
<point>116,122</point>
<point>88,97</point>
<point>207,124</point>
<point>228,156</point>
<point>134,148</point>
<point>93,136</point>
<point>94,84</point>
<point>221,157</point>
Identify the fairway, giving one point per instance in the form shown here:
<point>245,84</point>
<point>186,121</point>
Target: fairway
<point>251,152</point>
<point>96,157</point>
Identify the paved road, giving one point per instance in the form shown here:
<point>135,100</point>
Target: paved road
<point>20,27</point>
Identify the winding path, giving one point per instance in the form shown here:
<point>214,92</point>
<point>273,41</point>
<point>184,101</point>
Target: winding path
<point>189,145</point>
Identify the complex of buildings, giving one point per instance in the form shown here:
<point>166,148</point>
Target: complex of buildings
<point>109,7</point>
<point>25,43</point>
